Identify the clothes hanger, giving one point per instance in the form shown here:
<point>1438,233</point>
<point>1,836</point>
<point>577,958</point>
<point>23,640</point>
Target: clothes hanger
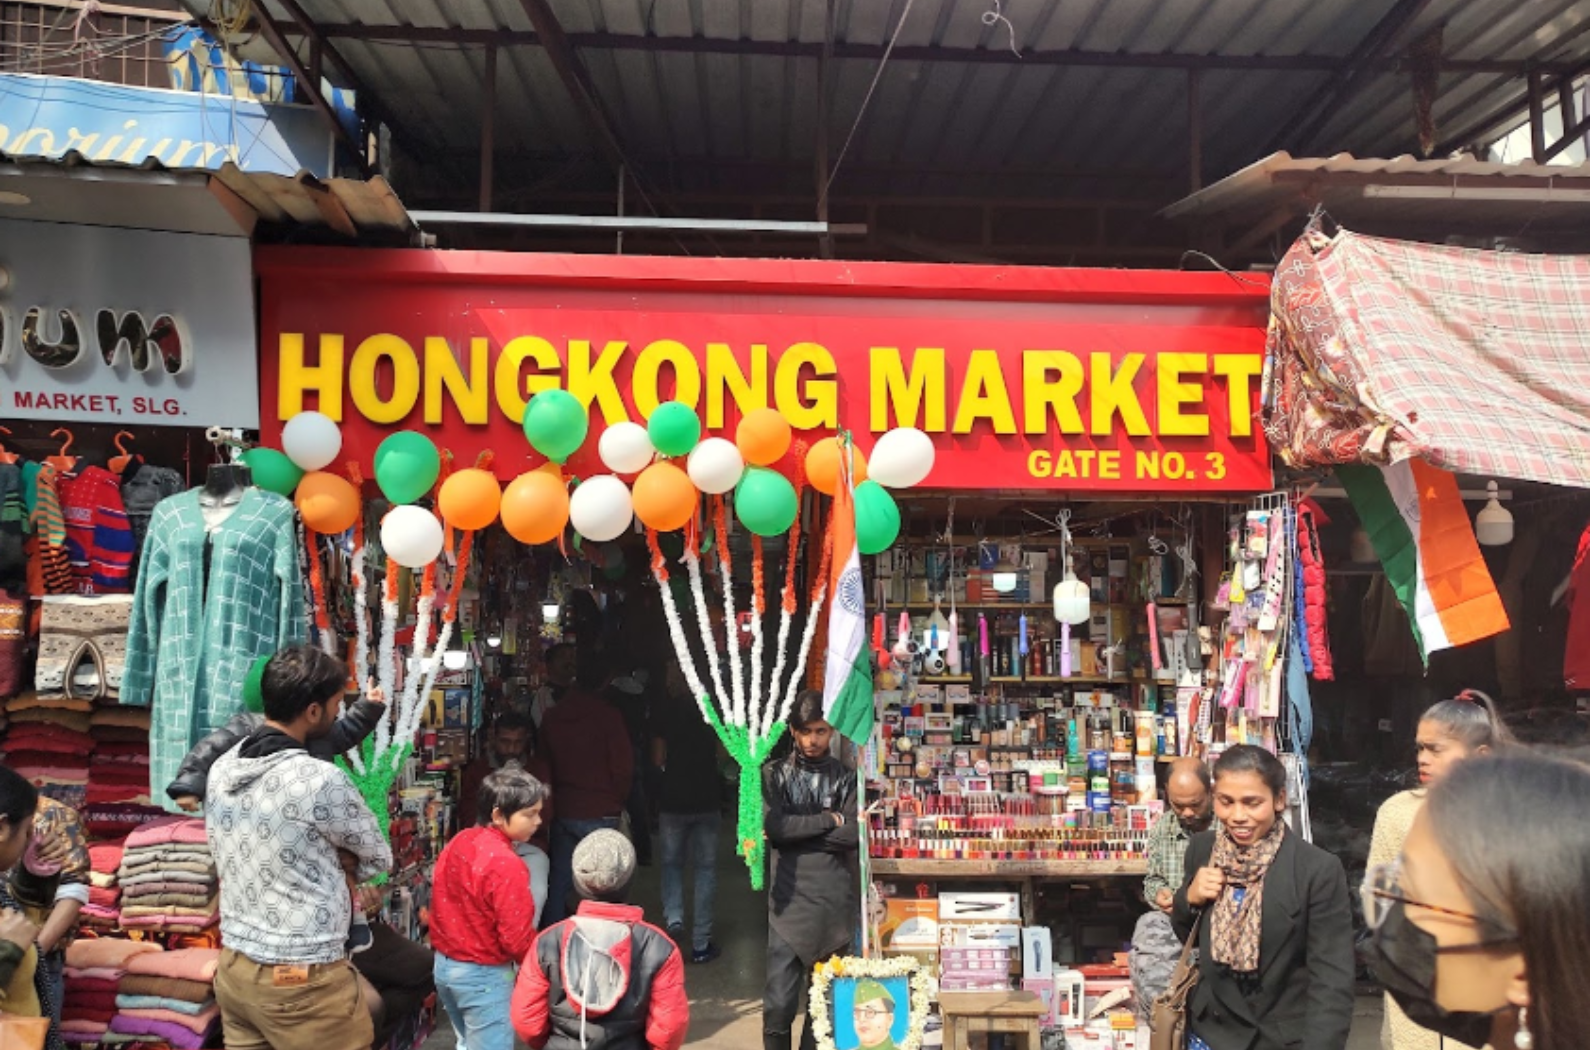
<point>6,455</point>
<point>61,461</point>
<point>118,463</point>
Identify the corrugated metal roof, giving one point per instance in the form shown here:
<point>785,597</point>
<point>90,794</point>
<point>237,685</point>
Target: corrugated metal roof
<point>938,123</point>
<point>151,196</point>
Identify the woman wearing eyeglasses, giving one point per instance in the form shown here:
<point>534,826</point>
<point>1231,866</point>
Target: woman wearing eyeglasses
<point>1483,926</point>
<point>1273,920</point>
<point>1449,732</point>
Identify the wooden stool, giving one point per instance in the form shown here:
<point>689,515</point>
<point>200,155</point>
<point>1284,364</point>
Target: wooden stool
<point>1011,1013</point>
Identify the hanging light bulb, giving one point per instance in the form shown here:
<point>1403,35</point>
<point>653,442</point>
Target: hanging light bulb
<point>494,641</point>
<point>455,659</point>
<point>551,609</point>
<point>1493,526</point>
<point>1073,604</point>
<point>1005,573</point>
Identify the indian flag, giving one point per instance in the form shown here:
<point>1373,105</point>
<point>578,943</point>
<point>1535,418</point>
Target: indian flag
<point>847,676</point>
<point>1421,532</point>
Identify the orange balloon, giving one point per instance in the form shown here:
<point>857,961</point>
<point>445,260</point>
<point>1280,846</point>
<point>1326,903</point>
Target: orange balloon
<point>822,466</point>
<point>327,503</point>
<point>469,499</point>
<point>665,498</point>
<point>763,436</point>
<point>535,507</point>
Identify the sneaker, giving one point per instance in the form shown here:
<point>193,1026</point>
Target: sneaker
<point>706,955</point>
<point>676,931</point>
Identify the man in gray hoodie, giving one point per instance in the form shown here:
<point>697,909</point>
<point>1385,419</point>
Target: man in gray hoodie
<point>277,817</point>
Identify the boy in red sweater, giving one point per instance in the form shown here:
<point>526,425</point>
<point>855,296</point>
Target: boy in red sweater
<point>604,979</point>
<point>482,911</point>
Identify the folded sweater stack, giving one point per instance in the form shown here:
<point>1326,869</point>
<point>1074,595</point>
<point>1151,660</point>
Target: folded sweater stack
<point>95,968</point>
<point>168,879</point>
<point>103,910</point>
<point>168,998</point>
<point>47,742</point>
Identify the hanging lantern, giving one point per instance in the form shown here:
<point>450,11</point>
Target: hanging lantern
<point>1073,603</point>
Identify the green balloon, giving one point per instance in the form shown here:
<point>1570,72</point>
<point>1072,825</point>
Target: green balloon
<point>406,466</point>
<point>877,518</point>
<point>674,429</point>
<point>765,502</point>
<point>253,698</point>
<point>272,470</point>
<point>556,424</point>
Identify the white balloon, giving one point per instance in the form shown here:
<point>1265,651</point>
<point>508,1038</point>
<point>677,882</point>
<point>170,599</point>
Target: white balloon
<point>311,440</point>
<point>625,448</point>
<point>601,508</point>
<point>901,458</point>
<point>716,465</point>
<point>411,536</point>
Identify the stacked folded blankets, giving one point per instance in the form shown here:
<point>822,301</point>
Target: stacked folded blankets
<point>45,743</point>
<point>167,878</point>
<point>103,910</point>
<point>95,968</point>
<point>120,773</point>
<point>169,998</point>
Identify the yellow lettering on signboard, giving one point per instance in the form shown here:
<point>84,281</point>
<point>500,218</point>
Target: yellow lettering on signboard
<point>917,401</point>
<point>405,378</point>
<point>1111,393</point>
<point>1042,395</point>
<point>809,404</point>
<point>725,377</point>
<point>1173,394</point>
<point>590,382</point>
<point>512,386</point>
<point>648,369</point>
<point>983,396</point>
<point>297,376</point>
<point>469,393</point>
<point>1239,371</point>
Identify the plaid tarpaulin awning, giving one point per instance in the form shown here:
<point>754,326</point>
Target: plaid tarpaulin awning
<point>1475,361</point>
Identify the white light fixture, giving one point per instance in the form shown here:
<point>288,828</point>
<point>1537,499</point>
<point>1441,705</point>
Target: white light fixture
<point>1493,526</point>
<point>455,659</point>
<point>494,641</point>
<point>1005,573</point>
<point>1073,603</point>
<point>550,610</point>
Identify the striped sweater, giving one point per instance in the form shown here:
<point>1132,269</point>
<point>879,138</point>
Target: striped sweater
<point>99,541</point>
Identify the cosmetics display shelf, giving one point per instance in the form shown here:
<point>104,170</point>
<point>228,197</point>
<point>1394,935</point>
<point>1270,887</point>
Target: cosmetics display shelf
<point>1015,869</point>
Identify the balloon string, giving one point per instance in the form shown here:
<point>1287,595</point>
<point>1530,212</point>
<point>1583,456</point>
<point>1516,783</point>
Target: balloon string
<point>659,564</point>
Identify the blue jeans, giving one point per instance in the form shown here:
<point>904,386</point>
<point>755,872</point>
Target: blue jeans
<point>694,835</point>
<point>540,866</point>
<point>566,834</point>
<point>476,1000</point>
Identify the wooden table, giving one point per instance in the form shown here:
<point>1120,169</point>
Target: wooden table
<point>1009,1013</point>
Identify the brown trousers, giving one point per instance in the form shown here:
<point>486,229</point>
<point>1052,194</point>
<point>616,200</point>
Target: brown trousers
<point>258,1012</point>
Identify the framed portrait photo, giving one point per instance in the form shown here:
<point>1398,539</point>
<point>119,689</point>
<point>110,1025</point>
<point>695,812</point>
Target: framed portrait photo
<point>869,1004</point>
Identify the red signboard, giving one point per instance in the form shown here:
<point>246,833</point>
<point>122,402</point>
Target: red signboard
<point>1026,378</point>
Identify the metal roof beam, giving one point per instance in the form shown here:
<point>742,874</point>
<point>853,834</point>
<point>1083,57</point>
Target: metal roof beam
<point>364,96</point>
<point>1302,127</point>
<point>576,78</point>
<point>1504,114</point>
<point>403,34</point>
<point>312,88</point>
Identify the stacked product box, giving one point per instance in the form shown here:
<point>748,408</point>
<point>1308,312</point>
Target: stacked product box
<point>982,969</point>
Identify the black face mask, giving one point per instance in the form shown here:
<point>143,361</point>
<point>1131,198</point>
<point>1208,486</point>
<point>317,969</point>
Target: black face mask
<point>1406,967</point>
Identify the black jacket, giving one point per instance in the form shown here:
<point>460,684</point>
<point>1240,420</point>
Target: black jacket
<point>1302,996</point>
<point>194,774</point>
<point>812,897</point>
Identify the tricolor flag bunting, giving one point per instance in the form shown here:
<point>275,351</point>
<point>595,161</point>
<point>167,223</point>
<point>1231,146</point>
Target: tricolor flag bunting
<point>1421,532</point>
<point>847,676</point>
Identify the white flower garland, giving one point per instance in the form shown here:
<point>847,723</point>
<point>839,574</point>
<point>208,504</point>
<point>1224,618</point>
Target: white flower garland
<point>823,975</point>
<point>361,644</point>
<point>800,662</point>
<point>704,624</point>
<point>730,628</point>
<point>766,711</point>
<point>687,662</point>
<point>386,668</point>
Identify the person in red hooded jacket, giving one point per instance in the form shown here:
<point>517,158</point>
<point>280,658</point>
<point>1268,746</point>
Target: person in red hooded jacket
<point>604,979</point>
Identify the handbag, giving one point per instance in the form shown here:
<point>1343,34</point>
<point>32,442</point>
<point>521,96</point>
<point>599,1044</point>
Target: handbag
<point>1168,1017</point>
<point>23,1033</point>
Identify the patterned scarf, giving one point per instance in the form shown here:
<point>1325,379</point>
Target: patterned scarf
<point>1235,925</point>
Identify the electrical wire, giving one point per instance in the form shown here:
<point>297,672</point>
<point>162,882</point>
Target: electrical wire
<point>862,112</point>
